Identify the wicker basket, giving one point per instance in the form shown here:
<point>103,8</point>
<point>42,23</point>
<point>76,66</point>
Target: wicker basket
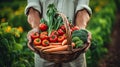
<point>63,56</point>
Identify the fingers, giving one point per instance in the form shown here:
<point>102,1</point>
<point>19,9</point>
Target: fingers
<point>88,41</point>
<point>89,36</point>
<point>30,40</point>
<point>30,47</point>
<point>30,32</point>
<point>33,31</point>
<point>88,45</point>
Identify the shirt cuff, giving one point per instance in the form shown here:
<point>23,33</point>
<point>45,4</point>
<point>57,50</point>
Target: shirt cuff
<point>33,5</point>
<point>80,7</point>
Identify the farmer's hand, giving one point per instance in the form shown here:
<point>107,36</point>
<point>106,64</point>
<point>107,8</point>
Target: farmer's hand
<point>89,41</point>
<point>81,18</point>
<point>33,17</point>
<point>33,20</point>
<point>30,45</point>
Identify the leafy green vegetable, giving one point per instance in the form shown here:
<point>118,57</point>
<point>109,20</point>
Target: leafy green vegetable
<point>82,34</point>
<point>50,14</point>
<point>74,39</point>
<point>43,21</point>
<point>79,44</point>
<point>54,20</point>
<point>58,22</point>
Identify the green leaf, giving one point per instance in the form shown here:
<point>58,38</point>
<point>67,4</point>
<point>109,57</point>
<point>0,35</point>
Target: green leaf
<point>18,46</point>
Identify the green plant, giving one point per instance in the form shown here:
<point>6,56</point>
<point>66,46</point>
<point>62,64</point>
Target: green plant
<point>100,26</point>
<point>13,48</point>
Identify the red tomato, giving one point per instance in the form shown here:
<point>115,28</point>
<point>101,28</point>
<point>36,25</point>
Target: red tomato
<point>37,42</point>
<point>61,38</point>
<point>54,33</point>
<point>35,35</point>
<point>43,27</point>
<point>64,35</point>
<point>60,31</point>
<point>62,27</point>
<point>43,35</point>
<point>45,43</point>
<point>53,38</point>
<point>75,28</point>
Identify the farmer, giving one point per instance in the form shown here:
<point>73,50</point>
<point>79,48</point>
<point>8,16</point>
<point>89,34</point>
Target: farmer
<point>77,10</point>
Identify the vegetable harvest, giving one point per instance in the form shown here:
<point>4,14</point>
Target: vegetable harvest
<point>52,35</point>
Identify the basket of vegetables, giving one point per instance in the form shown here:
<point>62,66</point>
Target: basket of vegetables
<point>57,40</point>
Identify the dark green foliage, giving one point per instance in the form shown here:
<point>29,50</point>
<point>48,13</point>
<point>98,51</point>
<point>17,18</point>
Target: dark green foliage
<point>74,39</point>
<point>79,44</point>
<point>14,54</point>
<point>14,51</point>
<point>82,34</point>
<point>54,20</point>
<point>100,26</point>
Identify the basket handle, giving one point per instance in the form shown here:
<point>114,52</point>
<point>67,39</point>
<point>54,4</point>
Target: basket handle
<point>69,38</point>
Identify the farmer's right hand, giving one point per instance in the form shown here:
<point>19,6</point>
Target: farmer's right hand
<point>33,17</point>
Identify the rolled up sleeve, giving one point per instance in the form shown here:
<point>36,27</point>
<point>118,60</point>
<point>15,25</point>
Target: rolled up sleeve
<point>83,4</point>
<point>33,3</point>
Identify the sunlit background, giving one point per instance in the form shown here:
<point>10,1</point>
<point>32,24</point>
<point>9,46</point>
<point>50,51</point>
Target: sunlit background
<point>104,26</point>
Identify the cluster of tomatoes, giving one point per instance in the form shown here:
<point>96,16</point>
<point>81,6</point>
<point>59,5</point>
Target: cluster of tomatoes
<point>55,36</point>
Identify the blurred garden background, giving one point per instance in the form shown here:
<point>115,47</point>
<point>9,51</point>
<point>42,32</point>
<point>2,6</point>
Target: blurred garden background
<point>104,26</point>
